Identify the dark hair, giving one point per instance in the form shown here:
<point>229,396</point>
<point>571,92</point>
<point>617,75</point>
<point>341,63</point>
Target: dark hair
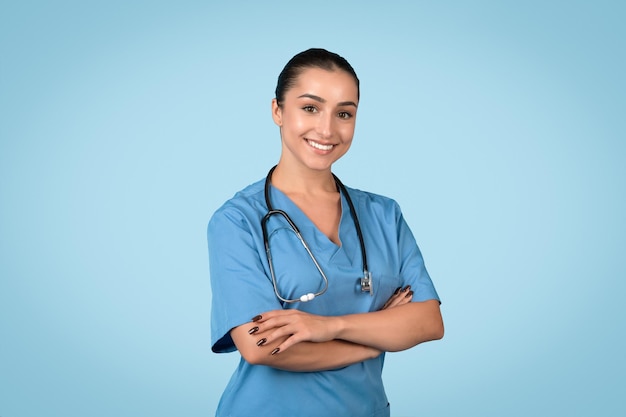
<point>311,58</point>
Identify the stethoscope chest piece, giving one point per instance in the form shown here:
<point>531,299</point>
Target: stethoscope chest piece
<point>366,283</point>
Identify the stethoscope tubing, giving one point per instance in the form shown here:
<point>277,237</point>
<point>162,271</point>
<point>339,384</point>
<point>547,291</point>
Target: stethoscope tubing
<point>268,252</point>
<point>365,281</point>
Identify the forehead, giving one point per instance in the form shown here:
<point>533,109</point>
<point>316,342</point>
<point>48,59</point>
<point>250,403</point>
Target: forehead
<point>331,85</point>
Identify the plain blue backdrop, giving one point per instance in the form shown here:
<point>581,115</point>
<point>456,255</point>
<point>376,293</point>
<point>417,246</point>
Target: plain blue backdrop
<point>497,125</point>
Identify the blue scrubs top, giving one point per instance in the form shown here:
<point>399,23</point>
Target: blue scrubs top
<point>242,288</point>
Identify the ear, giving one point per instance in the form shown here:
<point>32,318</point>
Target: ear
<point>277,113</point>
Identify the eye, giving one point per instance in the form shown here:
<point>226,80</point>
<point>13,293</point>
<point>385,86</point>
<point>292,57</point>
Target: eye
<point>344,115</point>
<point>309,109</point>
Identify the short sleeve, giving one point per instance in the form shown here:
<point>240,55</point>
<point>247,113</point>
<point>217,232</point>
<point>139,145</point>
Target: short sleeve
<point>412,267</point>
<point>240,286</point>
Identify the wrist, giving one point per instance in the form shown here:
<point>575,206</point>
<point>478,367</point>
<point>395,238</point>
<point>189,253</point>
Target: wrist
<point>338,326</point>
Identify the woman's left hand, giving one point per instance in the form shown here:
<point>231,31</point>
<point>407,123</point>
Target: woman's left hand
<point>400,297</point>
<point>295,325</point>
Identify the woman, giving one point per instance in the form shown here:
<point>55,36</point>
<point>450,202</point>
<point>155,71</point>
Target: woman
<point>311,329</point>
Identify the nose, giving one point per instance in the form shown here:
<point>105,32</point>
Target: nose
<point>325,125</point>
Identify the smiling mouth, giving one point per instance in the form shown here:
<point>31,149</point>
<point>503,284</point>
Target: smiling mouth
<point>319,145</point>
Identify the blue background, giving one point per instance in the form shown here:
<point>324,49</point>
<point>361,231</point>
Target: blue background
<point>497,125</point>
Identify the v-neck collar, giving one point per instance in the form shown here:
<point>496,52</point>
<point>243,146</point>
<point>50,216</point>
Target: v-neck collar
<point>319,243</point>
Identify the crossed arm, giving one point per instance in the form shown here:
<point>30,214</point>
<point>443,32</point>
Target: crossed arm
<point>297,341</point>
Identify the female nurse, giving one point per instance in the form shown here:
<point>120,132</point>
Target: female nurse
<point>322,356</point>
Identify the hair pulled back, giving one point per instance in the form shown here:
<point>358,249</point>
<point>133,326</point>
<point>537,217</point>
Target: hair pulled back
<point>311,58</point>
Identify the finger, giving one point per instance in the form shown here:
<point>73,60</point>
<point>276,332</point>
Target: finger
<point>390,300</point>
<point>395,301</point>
<point>260,318</point>
<point>269,319</point>
<point>405,299</point>
<point>257,330</point>
<point>274,329</point>
<point>303,328</point>
<point>263,340</point>
<point>400,298</point>
<point>281,342</point>
<point>292,334</point>
<point>290,341</point>
<point>298,325</point>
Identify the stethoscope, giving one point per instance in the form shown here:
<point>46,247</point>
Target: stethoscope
<point>365,281</point>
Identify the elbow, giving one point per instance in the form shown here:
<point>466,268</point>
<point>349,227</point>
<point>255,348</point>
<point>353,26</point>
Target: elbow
<point>255,356</point>
<point>432,327</point>
<point>251,353</point>
<point>434,330</point>
<point>436,327</point>
<point>438,331</point>
<point>428,333</point>
<point>248,348</point>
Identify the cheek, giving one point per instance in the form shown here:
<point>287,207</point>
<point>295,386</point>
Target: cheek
<point>295,124</point>
<point>347,132</point>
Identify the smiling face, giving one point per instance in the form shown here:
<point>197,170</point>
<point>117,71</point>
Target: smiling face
<point>317,118</point>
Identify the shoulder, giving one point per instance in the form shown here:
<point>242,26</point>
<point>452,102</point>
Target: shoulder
<point>372,201</point>
<point>245,204</point>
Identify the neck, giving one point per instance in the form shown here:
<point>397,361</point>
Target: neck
<point>302,180</point>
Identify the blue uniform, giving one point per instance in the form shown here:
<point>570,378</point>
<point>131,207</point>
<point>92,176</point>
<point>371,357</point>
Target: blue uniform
<point>242,288</point>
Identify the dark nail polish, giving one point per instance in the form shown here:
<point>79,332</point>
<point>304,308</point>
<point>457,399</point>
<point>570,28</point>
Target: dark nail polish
<point>275,351</point>
<point>257,318</point>
<point>253,330</point>
<point>408,287</point>
<point>409,294</point>
<point>397,290</point>
<point>261,342</point>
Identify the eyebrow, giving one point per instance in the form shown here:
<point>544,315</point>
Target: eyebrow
<point>321,100</point>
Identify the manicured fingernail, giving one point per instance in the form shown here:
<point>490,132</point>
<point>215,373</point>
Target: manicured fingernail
<point>409,294</point>
<point>397,290</point>
<point>261,342</point>
<point>253,330</point>
<point>275,351</point>
<point>257,318</point>
<point>408,287</point>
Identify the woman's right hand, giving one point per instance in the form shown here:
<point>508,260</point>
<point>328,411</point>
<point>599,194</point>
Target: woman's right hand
<point>400,297</point>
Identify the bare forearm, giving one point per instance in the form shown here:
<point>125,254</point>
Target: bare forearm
<point>302,357</point>
<point>311,356</point>
<point>393,329</point>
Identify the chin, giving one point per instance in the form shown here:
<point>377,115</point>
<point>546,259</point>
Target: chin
<point>320,165</point>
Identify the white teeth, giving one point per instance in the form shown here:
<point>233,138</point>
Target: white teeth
<point>320,146</point>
